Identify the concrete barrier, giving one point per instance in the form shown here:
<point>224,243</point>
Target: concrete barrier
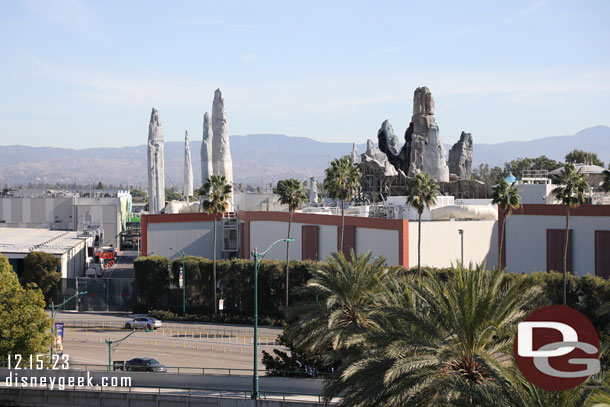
<point>19,397</point>
<point>295,386</point>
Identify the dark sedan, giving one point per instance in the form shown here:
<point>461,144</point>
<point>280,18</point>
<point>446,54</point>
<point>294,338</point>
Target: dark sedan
<point>145,365</point>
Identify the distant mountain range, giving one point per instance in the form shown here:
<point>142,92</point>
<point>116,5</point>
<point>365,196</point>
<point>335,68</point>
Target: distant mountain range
<point>258,159</point>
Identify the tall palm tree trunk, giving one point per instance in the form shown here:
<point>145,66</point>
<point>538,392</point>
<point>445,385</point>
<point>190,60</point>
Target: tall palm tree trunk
<point>501,241</point>
<point>287,252</point>
<point>214,267</point>
<point>419,243</point>
<point>565,256</point>
<point>342,225</point>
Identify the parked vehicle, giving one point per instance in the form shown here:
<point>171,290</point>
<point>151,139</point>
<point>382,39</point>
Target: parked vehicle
<point>140,365</point>
<point>143,323</point>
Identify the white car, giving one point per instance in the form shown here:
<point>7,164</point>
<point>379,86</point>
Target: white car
<point>144,323</point>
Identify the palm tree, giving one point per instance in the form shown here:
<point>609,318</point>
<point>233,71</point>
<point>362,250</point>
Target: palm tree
<point>436,343</point>
<point>218,192</point>
<point>341,182</point>
<point>507,198</point>
<point>422,195</point>
<point>345,290</point>
<point>291,193</point>
<point>570,191</point>
<point>606,184</point>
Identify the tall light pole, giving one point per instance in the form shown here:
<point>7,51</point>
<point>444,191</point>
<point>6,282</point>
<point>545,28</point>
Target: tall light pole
<point>461,232</point>
<point>257,256</point>
<point>182,279</point>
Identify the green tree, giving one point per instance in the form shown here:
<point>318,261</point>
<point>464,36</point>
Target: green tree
<point>583,157</point>
<point>507,198</point>
<point>570,191</point>
<point>172,194</point>
<point>24,325</point>
<point>606,183</point>
<point>344,291</point>
<point>342,180</point>
<point>153,277</point>
<point>436,343</point>
<point>518,166</point>
<point>422,194</point>
<point>218,193</point>
<point>100,185</point>
<point>291,193</point>
<point>41,269</point>
<point>489,175</point>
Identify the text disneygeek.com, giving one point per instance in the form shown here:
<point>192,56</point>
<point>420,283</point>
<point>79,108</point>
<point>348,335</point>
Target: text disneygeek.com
<point>18,367</point>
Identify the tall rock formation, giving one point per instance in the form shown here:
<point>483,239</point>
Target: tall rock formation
<point>207,168</point>
<point>188,167</point>
<point>426,150</point>
<point>156,165</point>
<point>313,190</point>
<point>221,150</point>
<point>354,157</point>
<point>389,144</point>
<point>460,157</point>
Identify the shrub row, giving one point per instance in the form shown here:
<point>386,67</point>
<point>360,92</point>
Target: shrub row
<point>156,275</point>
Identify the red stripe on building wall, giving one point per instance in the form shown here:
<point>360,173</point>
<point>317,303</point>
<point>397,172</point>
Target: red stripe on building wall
<point>560,210</point>
<point>400,225</point>
<point>403,244</point>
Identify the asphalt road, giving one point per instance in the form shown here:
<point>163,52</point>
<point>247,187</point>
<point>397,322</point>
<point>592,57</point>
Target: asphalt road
<point>123,267</point>
<point>216,347</point>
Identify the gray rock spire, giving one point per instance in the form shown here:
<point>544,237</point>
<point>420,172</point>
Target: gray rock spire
<point>460,157</point>
<point>207,168</point>
<point>156,165</point>
<point>188,167</point>
<point>427,152</point>
<point>221,151</point>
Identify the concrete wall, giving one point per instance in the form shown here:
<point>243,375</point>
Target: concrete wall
<point>263,233</point>
<point>53,213</point>
<point>379,242</point>
<point>536,193</point>
<point>526,241</point>
<point>102,211</point>
<point>108,398</point>
<point>194,238</point>
<point>441,243</point>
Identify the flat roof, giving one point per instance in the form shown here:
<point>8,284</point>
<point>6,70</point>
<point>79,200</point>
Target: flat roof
<point>25,240</point>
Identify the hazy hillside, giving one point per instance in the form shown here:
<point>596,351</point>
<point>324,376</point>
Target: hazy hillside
<point>257,159</point>
<point>595,139</point>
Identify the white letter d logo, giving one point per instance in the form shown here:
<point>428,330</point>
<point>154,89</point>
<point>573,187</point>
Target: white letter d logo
<point>526,338</point>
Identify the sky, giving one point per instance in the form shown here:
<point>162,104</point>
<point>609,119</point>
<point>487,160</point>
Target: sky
<point>80,74</point>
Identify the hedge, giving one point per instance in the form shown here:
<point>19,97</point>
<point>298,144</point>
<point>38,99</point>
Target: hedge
<point>155,274</point>
<point>234,282</point>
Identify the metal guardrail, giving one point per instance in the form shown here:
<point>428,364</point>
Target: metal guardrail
<point>186,370</point>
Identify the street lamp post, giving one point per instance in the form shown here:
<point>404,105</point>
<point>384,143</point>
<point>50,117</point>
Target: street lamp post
<point>55,308</point>
<point>183,272</point>
<point>109,342</point>
<point>461,232</point>
<point>258,256</point>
